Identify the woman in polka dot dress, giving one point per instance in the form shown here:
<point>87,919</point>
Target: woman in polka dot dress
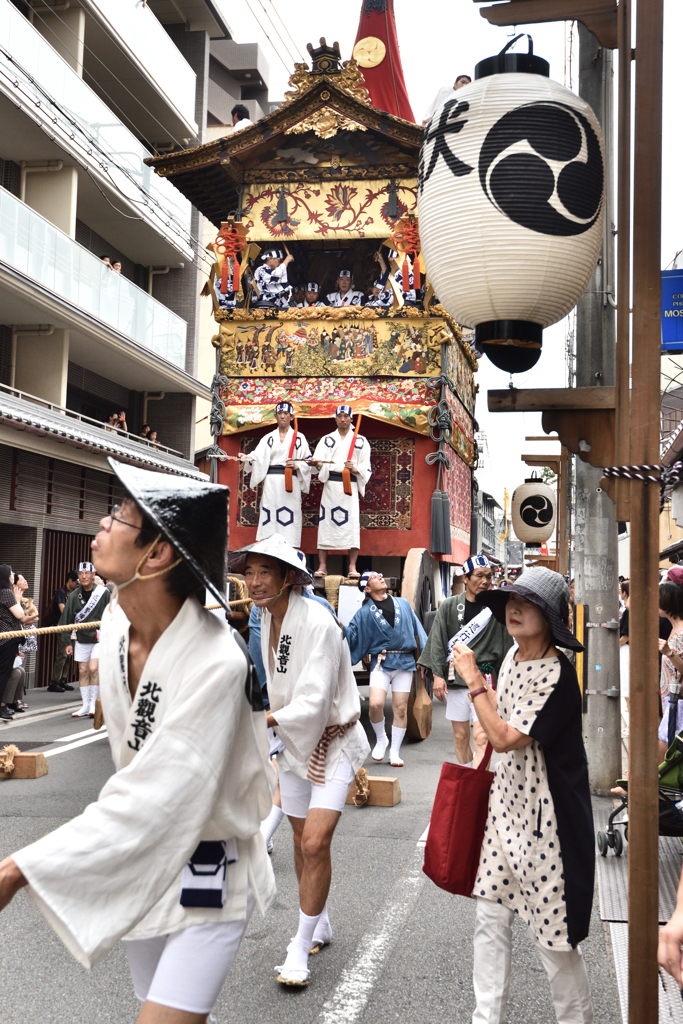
<point>537,858</point>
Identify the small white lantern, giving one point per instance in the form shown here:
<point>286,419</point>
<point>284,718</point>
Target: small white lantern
<point>533,511</point>
<point>510,203</point>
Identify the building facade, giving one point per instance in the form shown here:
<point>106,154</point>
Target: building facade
<point>88,91</point>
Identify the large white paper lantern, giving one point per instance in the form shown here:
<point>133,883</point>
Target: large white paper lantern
<point>510,202</point>
<point>533,511</point>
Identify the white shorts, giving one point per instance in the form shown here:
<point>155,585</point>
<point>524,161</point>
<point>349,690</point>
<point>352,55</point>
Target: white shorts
<point>186,970</point>
<point>299,796</point>
<point>276,744</point>
<point>459,707</point>
<point>399,679</point>
<point>86,652</point>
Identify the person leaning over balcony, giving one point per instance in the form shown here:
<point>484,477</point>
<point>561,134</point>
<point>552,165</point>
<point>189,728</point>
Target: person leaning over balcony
<point>240,117</point>
<point>116,266</point>
<point>144,433</point>
<point>12,617</point>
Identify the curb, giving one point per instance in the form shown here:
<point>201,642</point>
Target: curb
<point>30,716</point>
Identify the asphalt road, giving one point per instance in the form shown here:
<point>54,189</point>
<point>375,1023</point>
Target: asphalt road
<point>402,948</point>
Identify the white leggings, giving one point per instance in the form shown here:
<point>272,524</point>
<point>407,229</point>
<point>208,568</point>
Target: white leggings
<point>186,970</point>
<point>492,946</point>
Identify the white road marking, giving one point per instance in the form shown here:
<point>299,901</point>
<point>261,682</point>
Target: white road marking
<point>73,746</point>
<point>357,981</point>
<point>422,841</point>
<point>30,717</point>
<point>77,735</point>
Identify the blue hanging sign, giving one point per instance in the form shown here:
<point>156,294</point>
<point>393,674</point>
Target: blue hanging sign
<point>672,310</point>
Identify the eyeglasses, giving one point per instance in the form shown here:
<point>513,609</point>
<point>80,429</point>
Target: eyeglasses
<point>114,515</point>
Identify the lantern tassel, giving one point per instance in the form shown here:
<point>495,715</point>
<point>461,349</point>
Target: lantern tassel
<point>235,275</point>
<point>224,276</point>
<point>417,281</point>
<point>405,270</point>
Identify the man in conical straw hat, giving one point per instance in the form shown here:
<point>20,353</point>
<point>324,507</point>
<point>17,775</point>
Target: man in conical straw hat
<point>170,857</point>
<point>315,711</point>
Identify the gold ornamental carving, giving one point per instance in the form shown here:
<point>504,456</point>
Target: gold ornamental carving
<point>349,79</point>
<point>369,52</point>
<point>325,123</point>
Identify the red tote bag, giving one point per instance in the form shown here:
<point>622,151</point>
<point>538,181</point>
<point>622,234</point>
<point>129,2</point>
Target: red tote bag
<point>456,829</point>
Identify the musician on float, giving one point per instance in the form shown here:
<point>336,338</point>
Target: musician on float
<point>343,462</point>
<point>345,295</point>
<point>271,279</point>
<point>311,296</point>
<point>282,449</point>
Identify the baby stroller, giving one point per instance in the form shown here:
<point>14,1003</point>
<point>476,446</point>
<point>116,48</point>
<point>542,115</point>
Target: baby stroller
<point>670,817</point>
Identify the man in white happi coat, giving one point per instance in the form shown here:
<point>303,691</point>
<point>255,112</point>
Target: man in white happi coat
<point>311,296</point>
<point>85,604</point>
<point>315,711</point>
<point>169,857</point>
<point>339,517</point>
<point>271,279</point>
<point>345,294</point>
<point>280,510</point>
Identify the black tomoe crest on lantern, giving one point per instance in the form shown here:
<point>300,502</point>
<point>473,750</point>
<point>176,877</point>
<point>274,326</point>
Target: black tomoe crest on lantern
<point>533,511</point>
<point>510,199</point>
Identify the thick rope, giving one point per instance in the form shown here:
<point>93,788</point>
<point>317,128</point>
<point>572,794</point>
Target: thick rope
<point>45,630</point>
<point>665,476</point>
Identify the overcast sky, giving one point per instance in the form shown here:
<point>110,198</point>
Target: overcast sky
<point>440,39</point>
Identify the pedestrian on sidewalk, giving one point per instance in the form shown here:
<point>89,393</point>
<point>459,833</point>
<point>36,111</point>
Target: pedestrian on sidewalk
<point>13,697</point>
<point>387,629</point>
<point>12,617</point>
<point>86,604</point>
<point>461,616</point>
<point>60,670</point>
<point>170,856</point>
<point>315,711</point>
<point>538,854</point>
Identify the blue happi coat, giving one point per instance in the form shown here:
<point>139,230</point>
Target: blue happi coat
<point>370,633</point>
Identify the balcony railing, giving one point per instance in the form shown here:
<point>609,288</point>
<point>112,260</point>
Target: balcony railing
<point>35,247</point>
<point>34,74</point>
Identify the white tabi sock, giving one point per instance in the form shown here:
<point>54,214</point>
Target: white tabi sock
<point>85,697</point>
<point>295,968</point>
<point>94,694</point>
<point>269,825</point>
<point>382,740</point>
<point>396,741</point>
<point>323,931</point>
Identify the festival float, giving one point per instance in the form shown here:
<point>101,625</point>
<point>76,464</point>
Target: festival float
<point>331,177</point>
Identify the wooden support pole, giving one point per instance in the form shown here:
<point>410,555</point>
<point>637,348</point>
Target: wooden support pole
<point>623,361</point>
<point>643,873</point>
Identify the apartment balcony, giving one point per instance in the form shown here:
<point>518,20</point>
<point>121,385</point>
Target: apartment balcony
<point>48,112</point>
<point>30,423</point>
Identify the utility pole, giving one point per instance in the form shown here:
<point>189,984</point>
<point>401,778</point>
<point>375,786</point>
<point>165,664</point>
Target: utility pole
<point>595,536</point>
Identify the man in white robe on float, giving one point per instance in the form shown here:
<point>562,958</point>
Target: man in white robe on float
<point>283,448</point>
<point>315,711</point>
<point>169,857</point>
<point>339,516</point>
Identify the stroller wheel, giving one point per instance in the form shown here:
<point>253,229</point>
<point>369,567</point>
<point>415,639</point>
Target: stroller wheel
<point>603,844</point>
<point>618,843</point>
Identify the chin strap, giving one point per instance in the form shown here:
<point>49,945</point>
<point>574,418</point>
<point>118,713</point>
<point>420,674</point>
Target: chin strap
<point>136,575</point>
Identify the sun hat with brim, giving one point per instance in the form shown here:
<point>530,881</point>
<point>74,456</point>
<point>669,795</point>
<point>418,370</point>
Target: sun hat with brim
<point>191,514</point>
<point>276,547</point>
<point>544,588</point>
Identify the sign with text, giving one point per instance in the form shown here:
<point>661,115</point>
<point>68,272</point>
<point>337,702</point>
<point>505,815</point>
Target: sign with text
<point>672,310</point>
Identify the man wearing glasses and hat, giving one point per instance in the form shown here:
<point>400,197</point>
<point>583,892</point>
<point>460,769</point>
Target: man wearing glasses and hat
<point>280,510</point>
<point>339,516</point>
<point>86,604</point>
<point>387,629</point>
<point>345,294</point>
<point>315,712</point>
<point>311,296</point>
<point>170,856</point>
<point>461,619</point>
<point>271,279</point>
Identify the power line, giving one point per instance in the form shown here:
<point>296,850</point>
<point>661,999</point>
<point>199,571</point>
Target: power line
<point>277,52</point>
<point>288,51</point>
<point>272,3</point>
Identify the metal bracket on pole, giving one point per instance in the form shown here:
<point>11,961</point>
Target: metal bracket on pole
<point>611,624</point>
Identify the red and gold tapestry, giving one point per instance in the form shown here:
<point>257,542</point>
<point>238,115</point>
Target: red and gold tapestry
<point>326,210</point>
<point>458,484</point>
<point>388,500</point>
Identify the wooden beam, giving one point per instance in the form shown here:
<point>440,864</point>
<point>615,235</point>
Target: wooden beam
<point>545,437</point>
<point>549,399</point>
<point>551,461</point>
<point>599,16</point>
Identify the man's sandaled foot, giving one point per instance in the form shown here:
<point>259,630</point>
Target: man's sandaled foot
<point>319,574</point>
<point>321,937</point>
<point>396,761</point>
<point>380,749</point>
<point>294,971</point>
<point>354,575</point>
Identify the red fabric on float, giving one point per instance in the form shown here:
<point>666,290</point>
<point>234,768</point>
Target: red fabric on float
<point>385,82</point>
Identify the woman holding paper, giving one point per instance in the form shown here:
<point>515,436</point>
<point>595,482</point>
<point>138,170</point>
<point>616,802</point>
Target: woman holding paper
<point>460,618</point>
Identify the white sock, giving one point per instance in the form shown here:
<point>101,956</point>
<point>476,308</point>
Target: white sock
<point>85,697</point>
<point>396,740</point>
<point>295,967</point>
<point>306,930</point>
<point>94,694</point>
<point>382,740</point>
<point>323,930</point>
<point>269,825</point>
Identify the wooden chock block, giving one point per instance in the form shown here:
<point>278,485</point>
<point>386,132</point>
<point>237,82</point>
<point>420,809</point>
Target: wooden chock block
<point>385,791</point>
<point>28,766</point>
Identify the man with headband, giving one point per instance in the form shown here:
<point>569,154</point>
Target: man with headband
<point>345,294</point>
<point>272,281</point>
<point>339,516</point>
<point>311,296</point>
<point>86,604</point>
<point>315,712</point>
<point>170,856</point>
<point>387,629</point>
<point>280,510</point>
<point>461,618</point>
